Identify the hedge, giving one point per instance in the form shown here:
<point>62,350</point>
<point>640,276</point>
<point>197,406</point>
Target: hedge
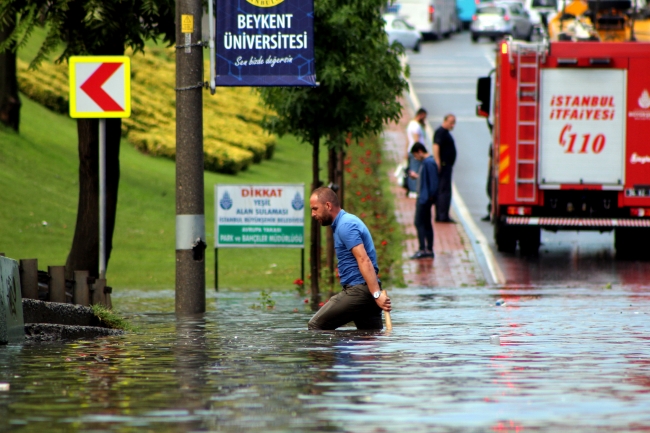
<point>232,133</point>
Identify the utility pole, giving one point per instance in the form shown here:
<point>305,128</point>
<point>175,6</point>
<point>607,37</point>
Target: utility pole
<point>190,209</point>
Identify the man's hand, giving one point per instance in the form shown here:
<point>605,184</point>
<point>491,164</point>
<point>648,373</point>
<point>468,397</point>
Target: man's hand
<point>383,301</point>
<point>413,174</point>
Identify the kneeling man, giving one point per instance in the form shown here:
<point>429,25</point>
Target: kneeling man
<point>361,299</point>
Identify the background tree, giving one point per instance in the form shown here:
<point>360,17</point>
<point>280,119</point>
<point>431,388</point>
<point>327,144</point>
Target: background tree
<point>359,77</point>
<point>9,99</point>
<point>90,27</point>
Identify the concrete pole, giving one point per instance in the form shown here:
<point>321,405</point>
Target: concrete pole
<point>190,219</point>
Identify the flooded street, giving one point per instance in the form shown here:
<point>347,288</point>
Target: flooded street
<point>549,359</point>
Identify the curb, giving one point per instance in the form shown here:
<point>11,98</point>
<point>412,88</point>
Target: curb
<point>486,259</point>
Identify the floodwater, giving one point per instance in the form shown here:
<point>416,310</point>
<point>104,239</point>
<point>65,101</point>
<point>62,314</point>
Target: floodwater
<point>550,359</point>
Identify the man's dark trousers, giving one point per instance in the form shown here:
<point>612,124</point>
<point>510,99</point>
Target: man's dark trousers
<point>423,225</point>
<point>353,304</point>
<point>444,193</point>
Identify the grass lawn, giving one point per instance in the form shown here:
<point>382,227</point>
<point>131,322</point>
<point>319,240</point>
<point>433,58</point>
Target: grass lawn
<point>38,193</point>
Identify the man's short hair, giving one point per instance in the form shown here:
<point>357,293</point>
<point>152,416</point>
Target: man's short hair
<point>418,147</point>
<point>421,111</point>
<point>447,116</point>
<point>325,194</point>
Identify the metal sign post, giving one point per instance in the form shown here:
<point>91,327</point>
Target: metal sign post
<point>100,88</point>
<point>213,60</point>
<point>102,198</point>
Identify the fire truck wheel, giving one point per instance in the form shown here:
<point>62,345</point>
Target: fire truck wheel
<point>631,243</point>
<point>505,238</point>
<point>529,241</point>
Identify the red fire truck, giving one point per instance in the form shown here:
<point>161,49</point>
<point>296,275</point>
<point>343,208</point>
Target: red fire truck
<point>571,141</point>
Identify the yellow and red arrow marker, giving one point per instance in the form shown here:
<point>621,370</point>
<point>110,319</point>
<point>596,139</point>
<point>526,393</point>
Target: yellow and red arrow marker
<point>100,86</point>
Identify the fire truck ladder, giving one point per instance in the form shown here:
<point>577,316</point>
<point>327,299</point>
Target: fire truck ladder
<point>527,120</point>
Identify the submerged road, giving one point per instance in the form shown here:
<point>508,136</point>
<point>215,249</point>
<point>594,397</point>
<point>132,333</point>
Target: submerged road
<point>443,78</point>
<point>454,362</point>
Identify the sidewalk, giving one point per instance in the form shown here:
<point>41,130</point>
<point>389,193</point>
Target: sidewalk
<point>455,264</point>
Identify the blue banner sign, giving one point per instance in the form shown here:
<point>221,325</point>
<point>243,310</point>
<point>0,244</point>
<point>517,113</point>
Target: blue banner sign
<point>265,43</point>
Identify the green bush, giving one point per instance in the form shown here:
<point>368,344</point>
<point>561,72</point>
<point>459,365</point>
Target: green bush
<point>233,135</point>
<point>368,196</point>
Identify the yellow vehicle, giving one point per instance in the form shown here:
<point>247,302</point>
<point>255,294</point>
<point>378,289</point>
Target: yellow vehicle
<point>600,20</point>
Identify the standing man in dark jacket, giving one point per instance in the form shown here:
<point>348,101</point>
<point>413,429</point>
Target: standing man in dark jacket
<point>427,190</point>
<point>444,152</point>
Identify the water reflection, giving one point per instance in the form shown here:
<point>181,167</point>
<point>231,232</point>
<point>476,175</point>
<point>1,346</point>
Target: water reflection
<point>569,360</point>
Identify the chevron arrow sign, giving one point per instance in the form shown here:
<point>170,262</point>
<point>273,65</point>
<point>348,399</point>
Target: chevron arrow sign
<point>100,86</point>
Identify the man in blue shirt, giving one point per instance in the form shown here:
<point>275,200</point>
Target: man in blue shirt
<point>361,299</point>
<point>427,190</point>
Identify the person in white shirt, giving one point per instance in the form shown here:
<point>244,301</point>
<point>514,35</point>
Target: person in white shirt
<point>416,133</point>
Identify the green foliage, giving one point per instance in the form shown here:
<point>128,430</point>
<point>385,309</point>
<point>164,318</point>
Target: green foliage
<point>89,27</point>
<point>111,318</point>
<point>359,77</point>
<point>266,301</point>
<point>39,181</point>
<point>368,196</point>
<point>233,135</point>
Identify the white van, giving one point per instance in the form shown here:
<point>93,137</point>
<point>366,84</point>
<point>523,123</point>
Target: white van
<point>435,18</point>
<point>541,11</point>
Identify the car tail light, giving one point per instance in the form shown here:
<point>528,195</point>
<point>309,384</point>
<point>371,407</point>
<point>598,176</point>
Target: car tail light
<point>519,210</point>
<point>474,17</point>
<point>506,18</point>
<point>640,212</point>
<point>432,11</point>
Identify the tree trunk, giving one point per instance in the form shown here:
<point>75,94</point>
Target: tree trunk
<point>331,178</point>
<point>340,171</point>
<point>113,139</point>
<point>314,250</point>
<point>9,99</point>
<point>84,254</point>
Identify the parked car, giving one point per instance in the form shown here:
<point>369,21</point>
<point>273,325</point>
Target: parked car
<point>495,20</point>
<point>544,9</point>
<point>400,30</point>
<point>434,18</point>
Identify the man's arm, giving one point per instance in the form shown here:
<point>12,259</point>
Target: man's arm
<point>436,154</point>
<point>368,273</point>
